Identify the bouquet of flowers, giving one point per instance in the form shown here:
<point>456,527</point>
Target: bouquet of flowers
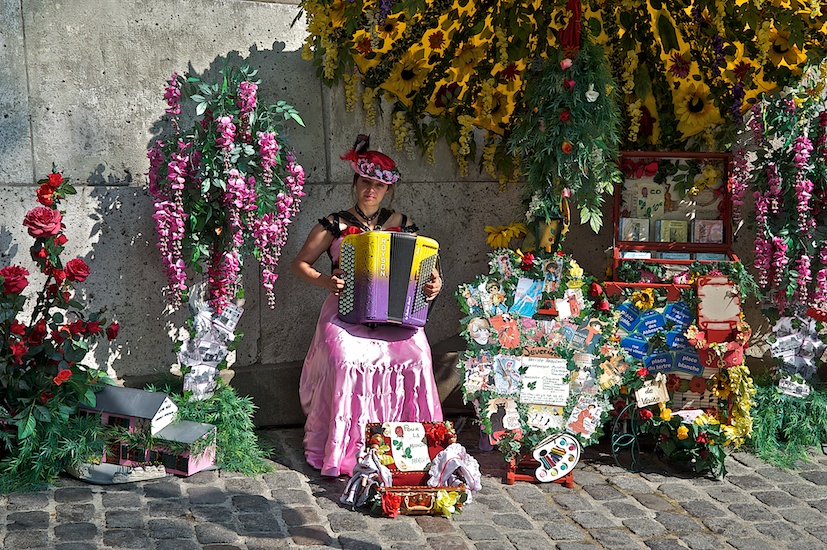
<point>42,346</point>
<point>226,188</point>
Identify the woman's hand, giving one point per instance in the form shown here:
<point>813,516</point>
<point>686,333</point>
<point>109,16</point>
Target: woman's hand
<point>432,288</point>
<point>336,284</point>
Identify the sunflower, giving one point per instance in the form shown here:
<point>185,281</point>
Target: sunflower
<point>391,29</point>
<point>500,236</point>
<point>644,299</point>
<point>408,75</point>
<point>694,109</point>
<point>499,114</point>
<point>467,58</point>
<point>782,50</point>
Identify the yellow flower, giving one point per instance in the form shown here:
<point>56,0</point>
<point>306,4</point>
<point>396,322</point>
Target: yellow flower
<point>644,299</point>
<point>683,432</point>
<point>467,58</point>
<point>575,270</point>
<point>666,414</point>
<point>782,50</point>
<point>446,502</point>
<point>408,75</point>
<point>694,109</point>
<point>500,236</point>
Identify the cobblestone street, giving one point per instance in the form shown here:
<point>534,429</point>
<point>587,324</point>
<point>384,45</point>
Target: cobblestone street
<point>755,507</point>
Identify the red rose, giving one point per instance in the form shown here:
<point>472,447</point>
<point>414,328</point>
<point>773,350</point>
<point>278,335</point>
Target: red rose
<point>17,328</point>
<point>45,396</point>
<point>77,270</point>
<point>645,414</point>
<point>595,290</point>
<point>45,194</point>
<point>14,279</point>
<point>391,504</point>
<point>58,274</point>
<point>76,328</point>
<point>43,222</point>
<point>604,306</point>
<point>59,336</point>
<point>642,372</point>
<point>60,240</point>
<point>702,438</point>
<point>527,261</point>
<point>39,254</point>
<point>55,180</point>
<point>37,334</point>
<point>568,84</point>
<point>112,330</point>
<point>564,115</point>
<point>62,376</point>
<point>18,350</point>
<point>93,327</point>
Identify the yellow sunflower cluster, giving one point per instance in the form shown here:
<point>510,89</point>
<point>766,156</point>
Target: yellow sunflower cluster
<point>501,235</point>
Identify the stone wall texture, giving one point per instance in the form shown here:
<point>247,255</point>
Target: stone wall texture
<point>81,87</point>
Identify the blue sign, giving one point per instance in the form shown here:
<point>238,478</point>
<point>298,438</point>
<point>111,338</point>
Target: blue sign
<point>679,313</point>
<point>650,322</point>
<point>660,362</point>
<point>636,345</point>
<point>675,339</point>
<point>629,316</point>
<point>688,361</point>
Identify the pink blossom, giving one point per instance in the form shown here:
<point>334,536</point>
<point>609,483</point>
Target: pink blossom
<point>226,131</point>
<point>247,96</point>
<point>172,95</point>
<point>566,63</point>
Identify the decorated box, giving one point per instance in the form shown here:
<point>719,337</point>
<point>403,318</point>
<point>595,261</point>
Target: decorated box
<point>408,450</point>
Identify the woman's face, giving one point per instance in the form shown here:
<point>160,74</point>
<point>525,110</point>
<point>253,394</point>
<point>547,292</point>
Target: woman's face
<point>370,192</point>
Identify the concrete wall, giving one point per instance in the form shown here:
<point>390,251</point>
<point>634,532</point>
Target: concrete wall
<point>81,86</point>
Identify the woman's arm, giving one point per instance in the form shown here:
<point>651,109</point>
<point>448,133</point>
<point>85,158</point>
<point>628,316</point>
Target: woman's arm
<point>317,242</point>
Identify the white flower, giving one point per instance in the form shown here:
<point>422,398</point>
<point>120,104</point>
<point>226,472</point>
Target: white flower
<point>591,94</point>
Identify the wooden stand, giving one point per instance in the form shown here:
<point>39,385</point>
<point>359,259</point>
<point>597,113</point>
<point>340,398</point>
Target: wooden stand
<point>518,472</point>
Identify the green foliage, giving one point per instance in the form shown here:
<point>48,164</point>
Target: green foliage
<point>238,446</point>
<point>568,134</point>
<point>784,427</point>
<point>50,448</point>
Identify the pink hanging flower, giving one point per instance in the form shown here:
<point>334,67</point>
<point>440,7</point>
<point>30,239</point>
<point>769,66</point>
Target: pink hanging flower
<point>172,95</point>
<point>247,96</point>
<point>226,131</point>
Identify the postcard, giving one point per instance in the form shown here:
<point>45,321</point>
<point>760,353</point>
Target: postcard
<point>708,231</point>
<point>634,229</point>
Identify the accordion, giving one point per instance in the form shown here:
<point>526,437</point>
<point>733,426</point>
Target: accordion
<point>384,275</point>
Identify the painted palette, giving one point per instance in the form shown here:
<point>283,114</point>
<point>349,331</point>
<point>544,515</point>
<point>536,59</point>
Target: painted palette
<point>557,455</point>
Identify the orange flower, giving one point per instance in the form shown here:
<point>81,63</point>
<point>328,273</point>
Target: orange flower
<point>567,148</point>
<point>697,384</point>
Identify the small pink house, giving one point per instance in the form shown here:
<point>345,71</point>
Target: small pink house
<point>153,412</point>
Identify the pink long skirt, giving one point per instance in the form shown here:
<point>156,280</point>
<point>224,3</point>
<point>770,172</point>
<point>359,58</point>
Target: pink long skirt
<point>354,375</point>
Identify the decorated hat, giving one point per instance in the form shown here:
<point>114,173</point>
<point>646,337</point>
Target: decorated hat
<point>371,164</point>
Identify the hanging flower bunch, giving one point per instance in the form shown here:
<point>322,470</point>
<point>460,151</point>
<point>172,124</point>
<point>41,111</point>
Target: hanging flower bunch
<point>690,71</point>
<point>225,188</point>
<point>787,169</point>
<point>568,134</point>
<point>42,375</point>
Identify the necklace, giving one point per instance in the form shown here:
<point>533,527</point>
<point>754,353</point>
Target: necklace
<point>365,216</point>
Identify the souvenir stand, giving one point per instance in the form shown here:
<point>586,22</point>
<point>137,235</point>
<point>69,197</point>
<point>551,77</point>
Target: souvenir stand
<point>535,331</point>
<point>675,285</point>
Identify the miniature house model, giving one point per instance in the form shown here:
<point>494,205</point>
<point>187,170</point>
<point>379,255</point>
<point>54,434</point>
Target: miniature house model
<point>140,411</point>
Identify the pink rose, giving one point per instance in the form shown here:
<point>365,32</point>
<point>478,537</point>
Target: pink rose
<point>43,222</point>
<point>14,279</point>
<point>566,63</point>
<point>76,270</point>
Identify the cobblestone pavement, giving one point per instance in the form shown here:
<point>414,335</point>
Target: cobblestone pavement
<point>755,507</point>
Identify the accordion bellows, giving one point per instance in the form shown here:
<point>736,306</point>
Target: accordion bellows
<point>384,275</point>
